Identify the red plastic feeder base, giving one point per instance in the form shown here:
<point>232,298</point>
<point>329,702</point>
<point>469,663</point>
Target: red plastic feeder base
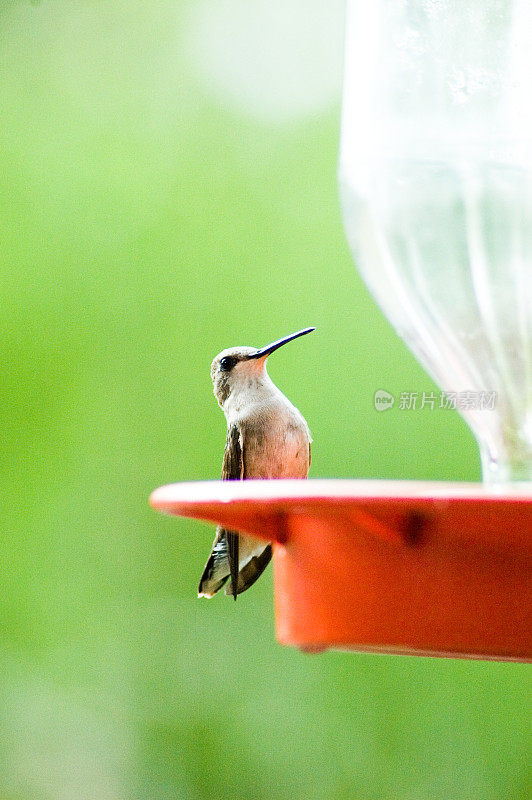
<point>439,569</point>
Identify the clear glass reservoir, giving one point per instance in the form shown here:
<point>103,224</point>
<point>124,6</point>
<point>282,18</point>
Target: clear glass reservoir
<point>436,186</point>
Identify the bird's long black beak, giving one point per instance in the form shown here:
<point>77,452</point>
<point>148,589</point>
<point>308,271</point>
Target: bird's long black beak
<point>265,351</point>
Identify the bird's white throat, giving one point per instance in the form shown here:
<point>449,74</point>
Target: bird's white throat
<point>250,388</point>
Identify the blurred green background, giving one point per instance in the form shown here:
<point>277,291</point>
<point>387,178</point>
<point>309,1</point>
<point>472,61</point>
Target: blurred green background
<point>168,189</point>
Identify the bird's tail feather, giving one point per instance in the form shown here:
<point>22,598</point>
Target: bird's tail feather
<point>250,572</point>
<point>232,556</point>
<point>216,570</point>
<point>207,586</point>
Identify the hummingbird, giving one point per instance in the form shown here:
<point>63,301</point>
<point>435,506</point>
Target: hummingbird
<point>267,437</point>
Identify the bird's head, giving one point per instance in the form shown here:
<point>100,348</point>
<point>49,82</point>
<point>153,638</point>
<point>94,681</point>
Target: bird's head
<point>236,367</point>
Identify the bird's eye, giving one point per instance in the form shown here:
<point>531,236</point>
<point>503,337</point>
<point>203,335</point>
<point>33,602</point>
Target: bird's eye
<point>227,363</point>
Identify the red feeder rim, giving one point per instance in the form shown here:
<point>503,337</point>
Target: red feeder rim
<point>439,569</point>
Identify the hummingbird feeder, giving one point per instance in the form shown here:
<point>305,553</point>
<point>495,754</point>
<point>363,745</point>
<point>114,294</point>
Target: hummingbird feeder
<point>436,189</point>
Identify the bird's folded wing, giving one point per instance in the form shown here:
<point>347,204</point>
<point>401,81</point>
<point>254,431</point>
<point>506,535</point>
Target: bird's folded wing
<point>233,470</point>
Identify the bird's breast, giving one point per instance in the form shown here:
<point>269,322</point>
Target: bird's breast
<point>275,447</point>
